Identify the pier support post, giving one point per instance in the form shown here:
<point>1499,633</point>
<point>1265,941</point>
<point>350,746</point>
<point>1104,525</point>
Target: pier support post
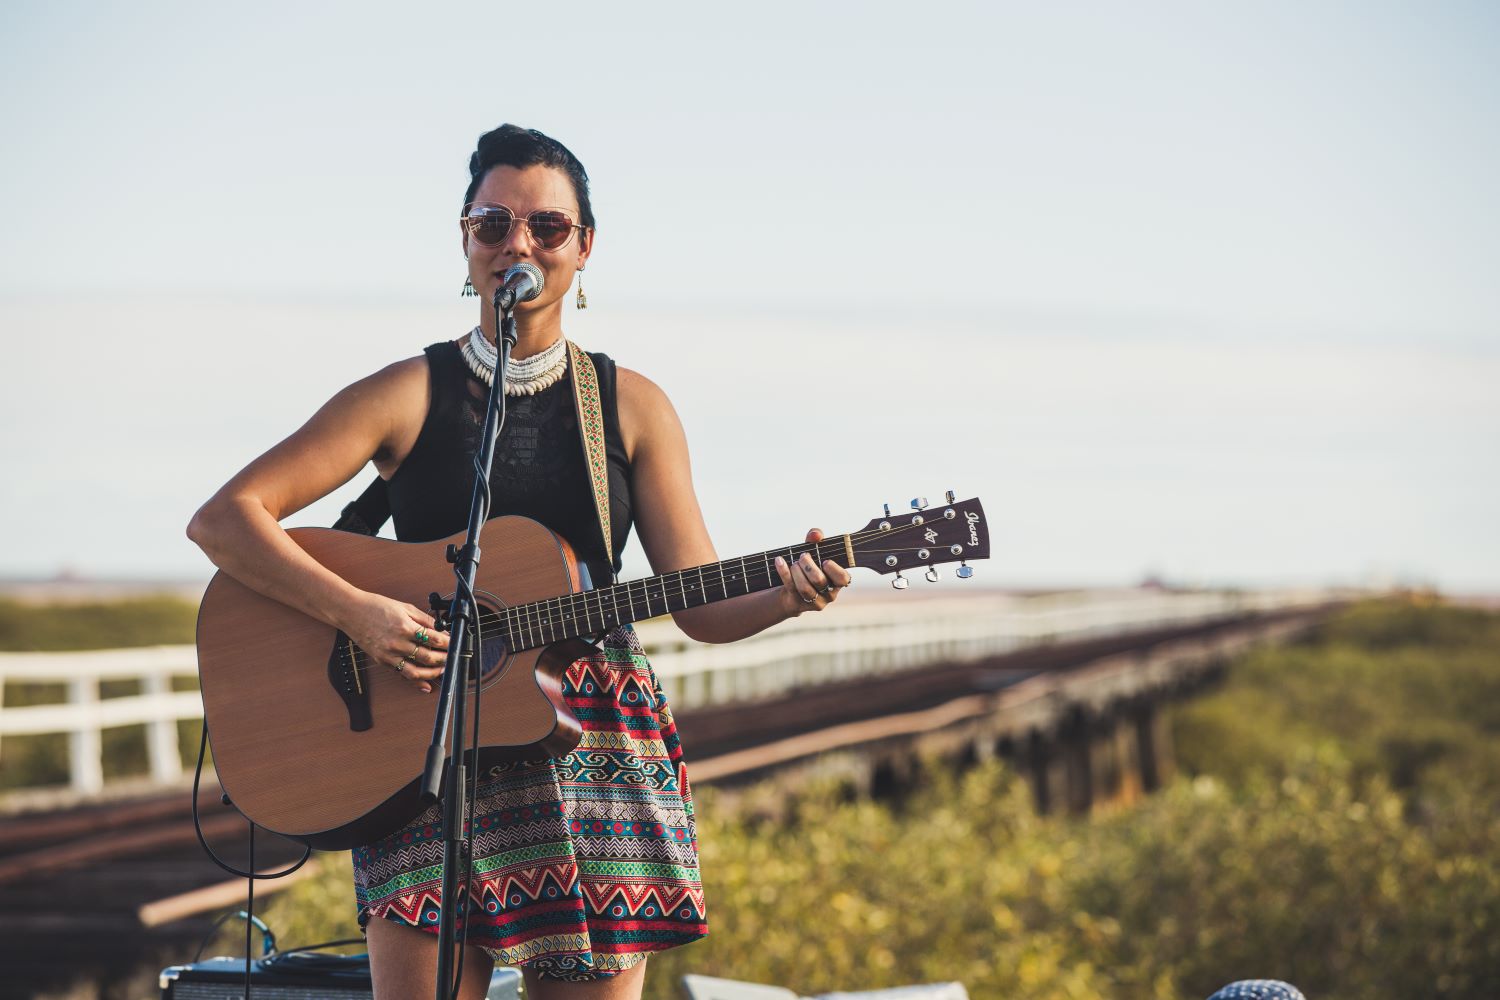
<point>1078,763</point>
<point>1153,739</point>
<point>1035,760</point>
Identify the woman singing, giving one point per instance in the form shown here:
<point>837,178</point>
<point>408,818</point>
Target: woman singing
<point>584,864</point>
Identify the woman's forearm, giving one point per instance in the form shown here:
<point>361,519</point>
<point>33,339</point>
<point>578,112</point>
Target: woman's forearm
<point>735,618</point>
<point>242,538</point>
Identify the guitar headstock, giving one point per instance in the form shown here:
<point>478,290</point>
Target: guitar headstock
<point>953,532</point>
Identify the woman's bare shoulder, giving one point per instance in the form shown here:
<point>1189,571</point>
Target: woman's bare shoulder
<point>645,411</point>
<point>392,396</point>
<point>640,389</point>
<point>409,375</point>
<point>398,396</point>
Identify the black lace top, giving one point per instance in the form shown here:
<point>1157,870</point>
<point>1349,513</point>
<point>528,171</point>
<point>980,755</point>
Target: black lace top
<point>539,469</point>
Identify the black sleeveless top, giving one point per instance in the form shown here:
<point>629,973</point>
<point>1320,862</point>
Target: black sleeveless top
<point>540,471</point>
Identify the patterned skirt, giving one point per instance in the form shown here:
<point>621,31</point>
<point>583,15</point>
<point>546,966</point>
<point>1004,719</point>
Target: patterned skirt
<point>583,864</point>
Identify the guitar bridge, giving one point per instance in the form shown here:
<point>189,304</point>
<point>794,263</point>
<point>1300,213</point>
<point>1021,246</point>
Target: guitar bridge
<point>346,676</point>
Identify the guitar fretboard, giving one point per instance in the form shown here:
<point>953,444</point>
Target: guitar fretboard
<point>593,612</point>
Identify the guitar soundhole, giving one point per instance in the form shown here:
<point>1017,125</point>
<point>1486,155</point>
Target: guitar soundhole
<point>493,652</point>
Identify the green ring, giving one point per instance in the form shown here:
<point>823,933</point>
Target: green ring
<point>422,636</point>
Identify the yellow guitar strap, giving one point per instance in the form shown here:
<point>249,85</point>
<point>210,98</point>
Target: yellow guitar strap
<point>591,430</point>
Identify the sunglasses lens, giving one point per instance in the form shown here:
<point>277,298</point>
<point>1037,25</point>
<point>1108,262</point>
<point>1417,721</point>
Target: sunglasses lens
<point>489,226</point>
<point>550,230</point>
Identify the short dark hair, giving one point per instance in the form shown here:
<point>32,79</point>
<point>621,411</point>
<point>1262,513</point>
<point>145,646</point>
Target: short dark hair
<point>514,146</point>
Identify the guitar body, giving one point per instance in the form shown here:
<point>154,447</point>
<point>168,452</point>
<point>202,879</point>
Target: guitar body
<point>315,741</point>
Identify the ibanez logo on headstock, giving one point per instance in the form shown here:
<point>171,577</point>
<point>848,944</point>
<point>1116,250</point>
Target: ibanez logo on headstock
<point>925,539</point>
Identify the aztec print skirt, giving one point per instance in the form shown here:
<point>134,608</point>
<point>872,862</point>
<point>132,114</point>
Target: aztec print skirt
<point>584,864</point>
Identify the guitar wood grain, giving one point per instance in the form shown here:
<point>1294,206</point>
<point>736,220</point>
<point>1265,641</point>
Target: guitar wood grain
<point>282,744</point>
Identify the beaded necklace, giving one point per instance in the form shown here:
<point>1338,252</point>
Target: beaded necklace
<point>522,378</point>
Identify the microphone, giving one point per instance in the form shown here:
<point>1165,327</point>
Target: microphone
<point>521,282</point>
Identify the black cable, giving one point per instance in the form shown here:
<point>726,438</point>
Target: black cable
<point>267,938</point>
<point>249,876</point>
<point>198,826</point>
<point>473,795</point>
<point>466,854</point>
<point>307,961</point>
<point>284,955</point>
<point>477,648</point>
<point>249,901</point>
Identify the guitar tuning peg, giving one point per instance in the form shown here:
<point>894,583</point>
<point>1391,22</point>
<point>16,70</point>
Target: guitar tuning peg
<point>931,574</point>
<point>887,509</point>
<point>901,582</point>
<point>949,495</point>
<point>919,503</point>
<point>964,571</point>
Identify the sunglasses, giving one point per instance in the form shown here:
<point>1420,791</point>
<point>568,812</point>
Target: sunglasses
<point>490,225</point>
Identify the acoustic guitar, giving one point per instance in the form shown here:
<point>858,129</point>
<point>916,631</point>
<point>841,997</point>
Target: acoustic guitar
<point>315,740</point>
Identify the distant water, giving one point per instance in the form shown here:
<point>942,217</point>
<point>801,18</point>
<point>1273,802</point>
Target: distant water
<point>1101,457</point>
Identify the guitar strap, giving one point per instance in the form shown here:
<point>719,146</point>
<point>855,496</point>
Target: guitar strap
<point>591,430</point>
<point>367,514</point>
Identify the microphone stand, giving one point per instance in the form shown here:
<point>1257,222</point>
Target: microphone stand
<point>451,786</point>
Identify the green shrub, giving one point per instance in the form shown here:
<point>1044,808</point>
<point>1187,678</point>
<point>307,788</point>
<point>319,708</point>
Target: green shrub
<point>145,621</point>
<point>1409,694</point>
<point>1314,878</point>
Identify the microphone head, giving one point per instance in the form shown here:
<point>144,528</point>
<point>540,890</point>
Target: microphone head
<point>515,277</point>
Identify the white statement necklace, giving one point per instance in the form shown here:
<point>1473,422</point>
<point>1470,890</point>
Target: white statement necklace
<point>522,378</point>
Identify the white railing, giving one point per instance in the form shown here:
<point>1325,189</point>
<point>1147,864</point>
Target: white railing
<point>868,634</point>
<point>900,632</point>
<point>85,715</point>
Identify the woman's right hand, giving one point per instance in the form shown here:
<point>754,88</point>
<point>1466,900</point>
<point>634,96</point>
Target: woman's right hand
<point>392,634</point>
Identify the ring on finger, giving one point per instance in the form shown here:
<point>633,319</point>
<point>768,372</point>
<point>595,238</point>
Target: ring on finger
<point>809,600</point>
<point>826,590</point>
<point>413,654</point>
<point>422,637</point>
<point>400,665</point>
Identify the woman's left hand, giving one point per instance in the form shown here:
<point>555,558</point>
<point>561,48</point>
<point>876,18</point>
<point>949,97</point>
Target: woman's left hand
<point>806,586</point>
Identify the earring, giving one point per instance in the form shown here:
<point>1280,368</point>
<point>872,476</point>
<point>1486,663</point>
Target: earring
<point>581,300</point>
<point>468,289</point>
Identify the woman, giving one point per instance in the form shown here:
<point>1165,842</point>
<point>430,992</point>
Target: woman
<point>571,912</point>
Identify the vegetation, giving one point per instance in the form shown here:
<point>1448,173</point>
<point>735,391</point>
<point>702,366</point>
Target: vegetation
<point>145,621</point>
<point>1336,825</point>
<point>1405,693</point>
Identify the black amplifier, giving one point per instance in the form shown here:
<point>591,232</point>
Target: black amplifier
<point>294,976</point>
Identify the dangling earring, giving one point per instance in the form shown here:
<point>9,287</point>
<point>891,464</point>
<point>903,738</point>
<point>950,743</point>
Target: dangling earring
<point>581,300</point>
<point>468,289</point>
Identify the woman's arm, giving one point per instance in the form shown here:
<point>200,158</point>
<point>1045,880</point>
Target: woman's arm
<point>239,527</point>
<point>674,536</point>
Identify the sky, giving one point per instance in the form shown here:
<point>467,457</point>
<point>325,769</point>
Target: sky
<point>1176,289</point>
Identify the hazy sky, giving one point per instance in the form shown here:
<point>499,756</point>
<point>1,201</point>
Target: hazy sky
<point>1174,287</point>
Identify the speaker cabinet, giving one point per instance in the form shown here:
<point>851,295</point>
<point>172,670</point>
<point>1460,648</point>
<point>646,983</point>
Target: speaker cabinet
<point>294,976</point>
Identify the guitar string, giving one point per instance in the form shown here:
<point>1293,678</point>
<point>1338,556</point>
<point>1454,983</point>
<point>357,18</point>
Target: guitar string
<point>533,617</point>
<point>532,620</point>
<point>527,621</point>
<point>715,569</point>
<point>708,573</point>
<point>527,617</point>
<point>518,614</point>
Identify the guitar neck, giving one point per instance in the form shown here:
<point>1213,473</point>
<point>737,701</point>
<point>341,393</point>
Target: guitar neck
<point>593,612</point>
